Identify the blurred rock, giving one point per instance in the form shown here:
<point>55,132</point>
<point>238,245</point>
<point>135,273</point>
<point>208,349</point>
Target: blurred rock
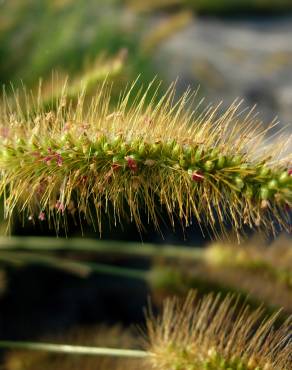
<point>249,58</point>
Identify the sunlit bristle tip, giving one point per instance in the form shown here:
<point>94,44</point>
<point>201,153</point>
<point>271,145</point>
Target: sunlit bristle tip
<point>213,334</point>
<point>87,159</point>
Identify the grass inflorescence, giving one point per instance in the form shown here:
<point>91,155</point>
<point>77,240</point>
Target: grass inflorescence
<point>145,156</point>
<point>195,334</point>
<point>273,261</point>
<point>213,334</point>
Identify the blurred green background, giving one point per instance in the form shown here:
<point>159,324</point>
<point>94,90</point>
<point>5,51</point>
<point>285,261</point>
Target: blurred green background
<point>228,48</point>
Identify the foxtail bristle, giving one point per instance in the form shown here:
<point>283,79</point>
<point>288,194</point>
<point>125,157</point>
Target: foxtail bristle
<point>145,155</point>
<point>213,334</point>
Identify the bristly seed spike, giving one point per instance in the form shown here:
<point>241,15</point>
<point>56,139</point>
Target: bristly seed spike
<point>194,162</point>
<point>215,333</point>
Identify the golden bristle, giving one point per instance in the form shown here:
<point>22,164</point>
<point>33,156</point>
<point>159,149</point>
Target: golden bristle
<point>214,334</point>
<point>145,154</point>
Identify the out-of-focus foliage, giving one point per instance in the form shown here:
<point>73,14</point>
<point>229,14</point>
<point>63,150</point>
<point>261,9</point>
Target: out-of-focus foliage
<point>274,261</point>
<point>104,68</point>
<point>84,40</point>
<point>164,29</point>
<point>257,271</point>
<point>39,36</point>
<point>216,7</point>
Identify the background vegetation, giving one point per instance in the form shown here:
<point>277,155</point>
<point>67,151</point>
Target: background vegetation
<point>85,291</point>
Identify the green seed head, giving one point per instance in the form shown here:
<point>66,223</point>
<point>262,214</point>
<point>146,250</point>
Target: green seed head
<point>239,183</point>
<point>198,155</point>
<point>249,192</point>
<point>155,148</point>
<point>118,159</point>
<point>34,142</point>
<point>20,142</point>
<point>183,163</point>
<point>134,145</point>
<point>176,151</point>
<point>265,193</point>
<point>209,166</point>
<point>188,151</point>
<point>236,160</point>
<point>135,157</point>
<point>221,162</point>
<point>244,166</point>
<point>161,158</point>
<point>123,149</point>
<point>214,153</point>
<point>5,153</point>
<point>273,184</point>
<point>142,149</point>
<point>188,326</point>
<point>170,144</point>
<point>105,147</point>
<point>284,178</point>
<point>85,148</point>
<point>264,171</point>
<point>116,141</point>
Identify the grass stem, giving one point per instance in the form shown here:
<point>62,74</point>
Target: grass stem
<point>73,350</point>
<point>92,245</point>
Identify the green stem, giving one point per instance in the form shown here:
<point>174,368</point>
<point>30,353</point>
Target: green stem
<point>82,269</point>
<point>74,350</point>
<point>118,271</point>
<point>92,245</point>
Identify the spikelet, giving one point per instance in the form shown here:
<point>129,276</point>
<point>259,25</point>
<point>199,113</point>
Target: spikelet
<point>146,156</point>
<point>213,334</point>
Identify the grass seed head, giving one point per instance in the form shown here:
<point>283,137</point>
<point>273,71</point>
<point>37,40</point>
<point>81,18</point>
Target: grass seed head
<point>138,156</point>
<point>214,334</point>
